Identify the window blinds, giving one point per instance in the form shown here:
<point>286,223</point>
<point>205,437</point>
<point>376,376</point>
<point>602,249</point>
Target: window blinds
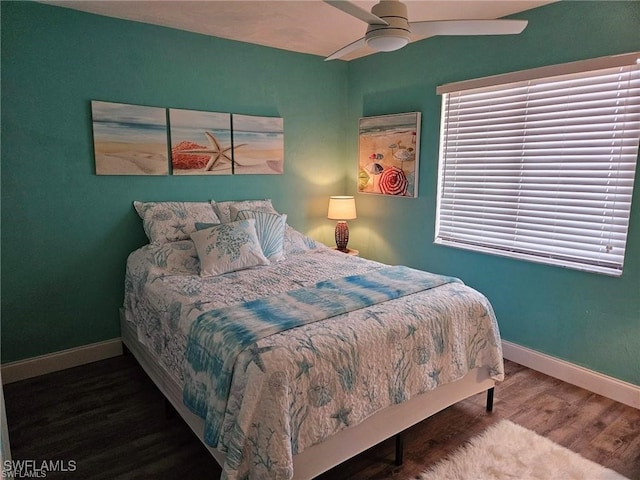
<point>542,169</point>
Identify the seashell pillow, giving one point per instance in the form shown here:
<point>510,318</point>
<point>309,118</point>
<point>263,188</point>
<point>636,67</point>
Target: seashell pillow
<point>270,229</point>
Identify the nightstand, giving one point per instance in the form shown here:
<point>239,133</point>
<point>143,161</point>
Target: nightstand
<point>350,251</point>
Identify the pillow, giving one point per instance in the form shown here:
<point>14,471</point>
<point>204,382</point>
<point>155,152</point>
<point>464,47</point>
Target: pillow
<point>174,257</point>
<point>270,230</point>
<point>222,209</point>
<point>202,226</point>
<point>228,247</point>
<point>296,242</point>
<point>171,221</point>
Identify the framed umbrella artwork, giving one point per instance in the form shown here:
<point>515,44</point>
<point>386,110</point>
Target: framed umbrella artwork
<point>388,154</point>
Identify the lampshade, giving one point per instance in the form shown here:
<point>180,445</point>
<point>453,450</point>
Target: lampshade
<point>342,208</point>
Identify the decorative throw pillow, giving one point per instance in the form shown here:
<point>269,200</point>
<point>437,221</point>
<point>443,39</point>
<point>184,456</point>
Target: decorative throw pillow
<point>174,257</point>
<point>222,209</point>
<point>202,226</point>
<point>228,247</point>
<point>270,230</point>
<point>297,242</point>
<point>171,221</point>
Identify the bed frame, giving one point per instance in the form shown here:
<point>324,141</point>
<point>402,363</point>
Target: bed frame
<point>386,423</point>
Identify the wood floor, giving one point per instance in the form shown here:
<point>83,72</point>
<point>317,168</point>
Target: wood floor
<point>110,419</point>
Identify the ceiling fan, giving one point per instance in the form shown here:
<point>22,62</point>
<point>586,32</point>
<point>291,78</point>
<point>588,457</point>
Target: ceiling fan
<point>389,28</point>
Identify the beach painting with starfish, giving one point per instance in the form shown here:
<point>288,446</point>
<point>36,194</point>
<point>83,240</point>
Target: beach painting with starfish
<point>262,145</point>
<point>129,139</point>
<point>201,142</point>
<point>388,154</point>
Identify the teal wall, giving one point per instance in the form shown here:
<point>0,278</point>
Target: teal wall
<point>587,319</point>
<point>66,232</point>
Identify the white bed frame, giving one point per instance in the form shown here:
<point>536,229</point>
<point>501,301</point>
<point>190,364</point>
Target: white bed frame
<point>345,444</point>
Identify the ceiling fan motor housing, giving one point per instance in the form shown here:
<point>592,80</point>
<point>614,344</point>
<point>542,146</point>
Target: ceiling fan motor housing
<point>386,38</point>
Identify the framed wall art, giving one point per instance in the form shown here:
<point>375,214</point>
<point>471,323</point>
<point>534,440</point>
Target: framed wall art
<point>129,139</point>
<point>262,141</point>
<point>211,143</point>
<point>134,140</point>
<point>388,154</point>
<point>201,142</point>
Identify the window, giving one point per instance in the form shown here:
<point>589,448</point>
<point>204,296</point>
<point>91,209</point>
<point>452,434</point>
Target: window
<point>540,164</point>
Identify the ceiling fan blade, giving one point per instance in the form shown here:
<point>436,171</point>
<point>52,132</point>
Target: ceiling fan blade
<point>352,47</point>
<point>467,27</point>
<point>356,11</point>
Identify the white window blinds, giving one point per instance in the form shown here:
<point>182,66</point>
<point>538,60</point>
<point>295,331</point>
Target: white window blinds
<point>543,168</point>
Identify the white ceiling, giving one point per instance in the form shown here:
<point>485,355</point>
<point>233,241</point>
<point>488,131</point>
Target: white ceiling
<point>306,26</point>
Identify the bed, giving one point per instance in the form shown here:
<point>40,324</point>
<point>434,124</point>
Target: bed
<point>287,357</point>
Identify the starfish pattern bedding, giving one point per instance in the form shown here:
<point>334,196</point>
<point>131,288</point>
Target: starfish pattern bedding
<point>293,389</point>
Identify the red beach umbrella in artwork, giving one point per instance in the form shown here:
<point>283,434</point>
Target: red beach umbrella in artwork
<point>393,181</point>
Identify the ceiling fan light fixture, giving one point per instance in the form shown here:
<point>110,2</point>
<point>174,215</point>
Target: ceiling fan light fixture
<point>389,28</point>
<point>393,36</point>
<point>388,42</point>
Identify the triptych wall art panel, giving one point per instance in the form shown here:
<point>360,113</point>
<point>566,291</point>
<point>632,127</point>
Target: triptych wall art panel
<point>389,154</point>
<point>201,143</point>
<point>133,140</point>
<point>259,144</point>
<point>129,139</point>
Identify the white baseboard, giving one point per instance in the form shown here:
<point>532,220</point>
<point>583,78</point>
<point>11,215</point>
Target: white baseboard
<point>604,385</point>
<point>595,382</point>
<point>52,362</point>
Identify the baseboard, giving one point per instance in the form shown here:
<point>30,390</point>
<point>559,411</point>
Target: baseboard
<point>604,385</point>
<point>595,382</point>
<point>52,362</point>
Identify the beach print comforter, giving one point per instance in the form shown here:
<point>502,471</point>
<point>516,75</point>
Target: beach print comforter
<point>293,389</point>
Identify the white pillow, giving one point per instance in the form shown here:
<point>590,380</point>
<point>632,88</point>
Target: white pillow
<point>222,209</point>
<point>174,257</point>
<point>171,221</point>
<point>270,230</point>
<point>228,247</point>
<point>296,242</point>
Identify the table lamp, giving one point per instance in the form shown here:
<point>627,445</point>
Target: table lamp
<point>342,208</point>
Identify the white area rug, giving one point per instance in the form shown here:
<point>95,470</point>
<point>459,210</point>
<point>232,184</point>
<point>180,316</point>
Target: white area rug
<point>507,451</point>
